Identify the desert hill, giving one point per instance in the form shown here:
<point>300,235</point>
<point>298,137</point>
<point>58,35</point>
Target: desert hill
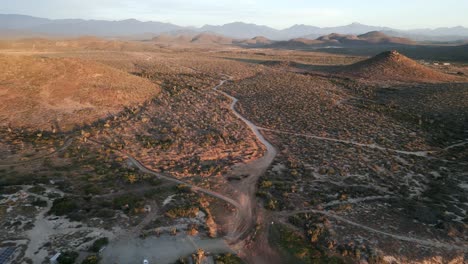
<point>370,38</point>
<point>335,39</point>
<point>43,92</point>
<point>394,66</point>
<point>295,43</point>
<point>259,40</point>
<point>208,38</point>
<point>192,39</point>
<point>376,37</point>
<point>184,38</point>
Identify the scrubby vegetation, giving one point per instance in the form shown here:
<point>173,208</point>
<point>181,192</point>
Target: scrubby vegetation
<point>359,164</point>
<point>68,257</point>
<point>98,244</point>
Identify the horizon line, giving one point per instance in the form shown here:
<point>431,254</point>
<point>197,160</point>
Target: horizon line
<point>233,22</point>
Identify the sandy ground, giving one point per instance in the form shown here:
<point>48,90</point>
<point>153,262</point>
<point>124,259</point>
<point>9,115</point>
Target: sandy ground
<point>164,249</point>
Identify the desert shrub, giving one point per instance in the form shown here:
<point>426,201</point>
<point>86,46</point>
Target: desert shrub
<point>37,189</point>
<point>272,204</point>
<point>182,188</point>
<point>183,212</point>
<point>266,184</point>
<point>68,257</point>
<point>39,203</point>
<point>104,213</point>
<point>164,142</point>
<point>229,258</point>
<point>93,189</point>
<point>9,189</point>
<point>92,259</point>
<point>127,202</point>
<point>98,244</point>
<point>294,246</point>
<point>154,181</point>
<point>63,206</point>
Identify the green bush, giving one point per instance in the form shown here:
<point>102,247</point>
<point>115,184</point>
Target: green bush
<point>229,258</point>
<point>68,257</point>
<point>39,203</point>
<point>92,259</point>
<point>63,206</point>
<point>37,189</point>
<point>98,244</point>
<point>132,201</point>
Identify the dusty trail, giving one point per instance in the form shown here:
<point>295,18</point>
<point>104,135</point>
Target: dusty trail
<point>244,220</point>
<point>259,167</point>
<point>373,146</point>
<point>245,217</point>
<point>254,170</point>
<point>144,169</point>
<point>359,200</point>
<point>456,145</point>
<point>424,242</point>
<point>422,154</point>
<point>62,148</point>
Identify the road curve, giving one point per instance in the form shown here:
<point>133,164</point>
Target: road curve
<point>270,150</point>
<point>245,218</point>
<point>194,188</point>
<point>248,186</point>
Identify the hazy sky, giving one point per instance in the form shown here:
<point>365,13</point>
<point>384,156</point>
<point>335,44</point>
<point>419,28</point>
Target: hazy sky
<point>402,14</point>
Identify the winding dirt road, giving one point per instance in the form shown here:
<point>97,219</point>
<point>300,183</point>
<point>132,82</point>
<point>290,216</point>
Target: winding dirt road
<point>244,220</point>
<point>247,187</point>
<point>424,242</point>
<point>372,146</point>
<point>194,188</point>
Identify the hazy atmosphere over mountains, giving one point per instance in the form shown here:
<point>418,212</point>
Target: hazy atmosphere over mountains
<point>22,25</point>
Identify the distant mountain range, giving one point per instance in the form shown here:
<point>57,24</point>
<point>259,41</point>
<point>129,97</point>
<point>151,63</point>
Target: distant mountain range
<point>338,40</point>
<point>21,25</point>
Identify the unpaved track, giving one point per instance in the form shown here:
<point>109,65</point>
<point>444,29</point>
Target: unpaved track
<point>423,153</point>
<point>245,218</point>
<point>359,200</point>
<point>258,167</point>
<point>144,169</point>
<point>424,242</point>
<point>372,146</point>
<point>243,222</point>
<point>456,145</point>
<point>67,143</point>
<point>254,170</point>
